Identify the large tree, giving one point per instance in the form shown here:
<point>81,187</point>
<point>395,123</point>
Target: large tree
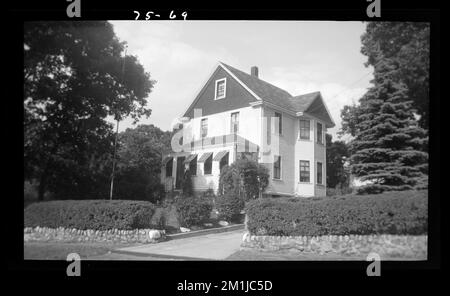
<point>407,45</point>
<point>73,80</point>
<point>389,149</point>
<point>139,163</point>
<point>337,154</point>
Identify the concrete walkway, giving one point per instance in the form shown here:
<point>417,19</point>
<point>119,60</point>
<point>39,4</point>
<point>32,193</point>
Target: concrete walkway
<point>216,246</point>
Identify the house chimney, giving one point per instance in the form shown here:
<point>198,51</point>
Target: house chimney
<point>254,71</point>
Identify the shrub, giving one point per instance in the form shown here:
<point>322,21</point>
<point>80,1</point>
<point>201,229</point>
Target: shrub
<point>186,183</point>
<point>209,195</point>
<point>244,177</point>
<point>388,213</point>
<point>155,193</point>
<point>229,206</point>
<point>90,214</point>
<point>192,210</point>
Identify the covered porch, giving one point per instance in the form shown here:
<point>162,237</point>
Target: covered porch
<point>204,160</point>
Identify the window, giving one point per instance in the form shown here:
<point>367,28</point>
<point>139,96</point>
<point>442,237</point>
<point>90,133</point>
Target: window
<point>304,171</point>
<point>207,166</point>
<point>319,173</point>
<point>220,89</point>
<point>304,129</point>
<point>204,127</point>
<point>169,166</point>
<point>319,133</point>
<point>193,167</point>
<point>234,122</point>
<point>224,161</point>
<point>277,167</point>
<point>279,122</point>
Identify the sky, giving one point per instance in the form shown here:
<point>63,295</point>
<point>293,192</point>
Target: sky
<point>299,57</point>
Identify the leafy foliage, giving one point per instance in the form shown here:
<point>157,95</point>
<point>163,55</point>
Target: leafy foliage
<point>90,214</point>
<point>245,178</point>
<point>229,206</point>
<point>337,153</point>
<point>387,213</point>
<point>192,210</point>
<point>186,184</point>
<point>139,162</point>
<point>407,44</point>
<point>72,81</point>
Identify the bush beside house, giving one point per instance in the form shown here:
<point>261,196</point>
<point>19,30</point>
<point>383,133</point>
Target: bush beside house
<point>229,207</point>
<point>192,210</point>
<point>387,213</point>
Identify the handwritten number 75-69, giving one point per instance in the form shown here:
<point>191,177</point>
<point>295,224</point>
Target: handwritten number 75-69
<point>152,15</point>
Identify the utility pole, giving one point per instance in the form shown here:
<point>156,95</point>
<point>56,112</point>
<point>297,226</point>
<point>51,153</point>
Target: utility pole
<point>117,133</point>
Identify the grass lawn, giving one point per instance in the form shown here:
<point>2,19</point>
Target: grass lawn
<point>59,251</point>
<point>254,255</point>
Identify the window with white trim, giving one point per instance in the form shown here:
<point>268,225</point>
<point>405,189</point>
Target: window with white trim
<point>234,122</point>
<point>279,122</point>
<point>277,167</point>
<point>220,89</point>
<point>319,133</point>
<point>304,171</point>
<point>319,173</point>
<point>204,127</point>
<point>304,129</point>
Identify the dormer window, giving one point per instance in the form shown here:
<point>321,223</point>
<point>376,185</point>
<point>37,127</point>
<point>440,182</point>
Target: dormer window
<point>220,90</point>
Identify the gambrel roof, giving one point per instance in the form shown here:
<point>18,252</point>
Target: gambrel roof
<point>264,92</point>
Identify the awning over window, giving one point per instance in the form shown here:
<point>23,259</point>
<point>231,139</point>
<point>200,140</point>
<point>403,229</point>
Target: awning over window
<point>190,158</point>
<point>205,156</point>
<point>220,155</point>
<point>166,159</point>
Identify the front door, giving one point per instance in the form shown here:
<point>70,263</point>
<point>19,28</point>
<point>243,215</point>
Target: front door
<point>180,172</point>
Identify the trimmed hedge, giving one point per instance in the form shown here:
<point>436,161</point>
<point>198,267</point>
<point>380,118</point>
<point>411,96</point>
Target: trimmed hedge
<point>388,213</point>
<point>90,214</point>
<point>192,210</point>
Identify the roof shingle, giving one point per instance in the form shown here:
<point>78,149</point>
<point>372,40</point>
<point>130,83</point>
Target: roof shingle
<point>277,96</point>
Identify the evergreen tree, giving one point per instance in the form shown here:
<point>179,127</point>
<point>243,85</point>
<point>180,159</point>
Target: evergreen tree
<point>389,148</point>
<point>408,44</point>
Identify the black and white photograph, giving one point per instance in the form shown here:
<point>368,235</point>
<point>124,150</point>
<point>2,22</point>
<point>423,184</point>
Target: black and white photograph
<point>226,140</point>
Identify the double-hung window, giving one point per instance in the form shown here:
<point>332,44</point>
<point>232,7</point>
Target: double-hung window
<point>220,89</point>
<point>304,129</point>
<point>319,173</point>
<point>204,127</point>
<point>304,171</point>
<point>277,167</point>
<point>235,122</point>
<point>279,121</point>
<point>319,133</point>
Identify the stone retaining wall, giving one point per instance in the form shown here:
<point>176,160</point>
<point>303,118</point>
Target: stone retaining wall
<point>75,235</point>
<point>405,246</point>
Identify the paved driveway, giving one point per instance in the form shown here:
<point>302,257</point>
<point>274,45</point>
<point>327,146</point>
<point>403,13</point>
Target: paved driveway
<point>217,246</point>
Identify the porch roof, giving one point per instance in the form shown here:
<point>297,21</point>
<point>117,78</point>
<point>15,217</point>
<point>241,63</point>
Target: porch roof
<point>205,156</point>
<point>190,158</point>
<point>219,155</point>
